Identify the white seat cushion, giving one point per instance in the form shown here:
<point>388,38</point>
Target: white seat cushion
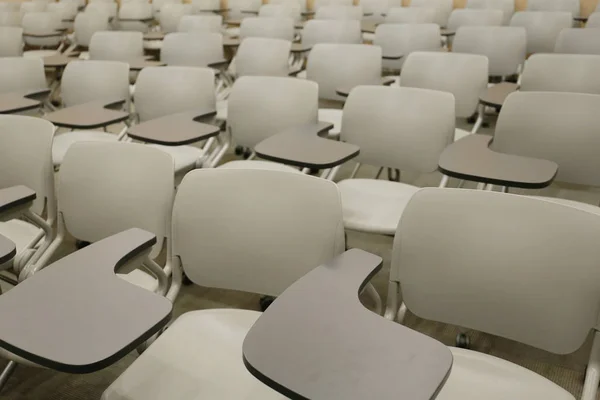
<point>21,233</point>
<point>62,142</point>
<point>460,133</point>
<point>198,357</point>
<point>257,164</point>
<point>572,203</point>
<point>185,157</point>
<point>141,279</point>
<point>480,376</point>
<point>375,206</point>
<point>333,116</point>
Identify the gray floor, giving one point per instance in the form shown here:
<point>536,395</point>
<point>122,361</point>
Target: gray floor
<point>567,371</point>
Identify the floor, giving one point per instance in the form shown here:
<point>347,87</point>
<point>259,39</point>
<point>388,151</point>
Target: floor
<point>567,371</point>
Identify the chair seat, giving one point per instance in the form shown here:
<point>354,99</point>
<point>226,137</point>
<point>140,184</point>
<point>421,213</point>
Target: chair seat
<point>333,116</point>
<point>233,31</point>
<point>374,206</point>
<point>368,36</point>
<point>198,357</point>
<point>62,142</point>
<point>141,279</point>
<point>460,133</point>
<point>481,376</point>
<point>572,203</point>
<point>257,164</point>
<point>21,233</point>
<point>185,157</point>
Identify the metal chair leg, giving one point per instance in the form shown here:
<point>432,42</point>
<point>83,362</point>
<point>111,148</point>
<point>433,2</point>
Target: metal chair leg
<point>6,373</point>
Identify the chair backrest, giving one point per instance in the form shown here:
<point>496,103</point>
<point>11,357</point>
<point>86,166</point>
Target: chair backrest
<point>262,106</point>
<point>87,24</point>
<point>336,31</point>
<point>134,11</point>
<point>571,6</point>
<point>321,3</point>
<point>372,115</point>
<point>275,28</point>
<point>299,4</point>
<point>80,3</point>
<point>506,6</point>
<point>593,20</point>
<point>26,157</point>
<point>542,28</point>
<point>201,6</point>
<point>576,73</point>
<point>162,91</point>
<point>560,127</point>
<point>200,23</point>
<point>33,6</point>
<point>192,49</point>
<point>378,8</point>
<point>406,38</point>
<point>530,254</point>
<point>102,7</point>
<point>21,74</point>
<point>578,41</point>
<point>470,17</point>
<point>86,81</point>
<point>280,224</point>
<point>411,15</point>
<point>11,41</point>
<point>237,6</point>
<point>339,12</point>
<point>443,9</point>
<point>504,46</point>
<point>10,18</point>
<point>263,57</point>
<point>334,66</point>
<point>117,46</point>
<point>158,4</point>
<point>171,14</point>
<point>135,189</point>
<point>463,75</point>
<point>289,10</point>
<point>67,11</point>
<point>10,6</point>
<point>102,1</point>
<point>41,23</point>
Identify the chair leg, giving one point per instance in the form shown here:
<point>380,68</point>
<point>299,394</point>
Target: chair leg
<point>6,373</point>
<point>374,295</point>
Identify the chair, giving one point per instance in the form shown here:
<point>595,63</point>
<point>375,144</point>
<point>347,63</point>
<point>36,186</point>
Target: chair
<point>10,6</point>
<point>171,14</point>
<point>240,9</point>
<point>162,91</point>
<point>542,28</point>
<point>371,119</point>
<point>506,6</point>
<point>84,82</point>
<point>25,159</point>
<point>504,46</point>
<point>263,57</point>
<point>21,74</point>
<point>290,10</point>
<point>205,6</point>
<point>117,46</point>
<point>32,7</point>
<point>197,49</point>
<point>296,4</point>
<point>10,18</point>
<point>107,8</point>
<point>323,31</point>
<point>378,9</point>
<point>336,12</point>
<point>158,4</point>
<point>200,23</point>
<point>529,248</point>
<point>571,6</point>
<point>443,9</point>
<point>42,23</point>
<point>101,1</point>
<point>80,3</point>
<point>263,106</point>
<point>307,231</point>
<point>87,24</point>
<point>334,66</point>
<point>578,41</point>
<point>467,17</point>
<point>320,3</point>
<point>463,75</point>
<point>275,28</point>
<point>66,10</point>
<point>11,41</point>
<point>593,21</point>
<point>411,15</point>
<point>404,39</point>
<point>135,16</point>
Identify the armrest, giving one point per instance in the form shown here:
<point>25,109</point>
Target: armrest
<point>296,71</point>
<point>219,64</point>
<point>249,12</point>
<point>15,198</point>
<point>494,96</point>
<point>387,81</point>
<point>280,352</point>
<point>39,95</point>
<point>471,158</point>
<point>43,35</point>
<point>392,56</point>
<point>116,105</point>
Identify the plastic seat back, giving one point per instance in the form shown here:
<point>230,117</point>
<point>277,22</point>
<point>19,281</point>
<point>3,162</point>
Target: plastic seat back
<point>195,49</point>
<point>263,57</point>
<point>578,41</point>
<point>336,31</point>
<point>117,46</point>
<point>275,28</point>
<point>86,81</point>
<point>542,28</point>
<point>406,38</point>
<point>577,73</point>
<point>11,41</point>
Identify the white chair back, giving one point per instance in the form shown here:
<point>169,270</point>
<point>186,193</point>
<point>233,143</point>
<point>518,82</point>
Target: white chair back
<point>469,17</point>
<point>275,28</point>
<point>237,6</point>
<point>10,6</point>
<point>290,10</point>
<point>571,6</point>
<point>321,3</point>
<point>86,81</point>
<point>578,41</point>
<point>542,28</point>
<point>406,38</point>
<point>593,20</point>
<point>411,15</point>
<point>378,8</point>
<point>443,9</point>
<point>131,15</point>
<point>158,4</point>
<point>11,41</point>
<point>171,14</point>
<point>339,13</point>
<point>200,23</point>
<point>117,46</point>
<point>337,31</point>
<point>506,6</point>
<point>205,6</point>
<point>194,49</point>
<point>10,18</point>
<point>33,7</point>
<point>109,9</point>
<point>22,74</point>
<point>42,23</point>
<point>263,57</point>
<point>87,24</point>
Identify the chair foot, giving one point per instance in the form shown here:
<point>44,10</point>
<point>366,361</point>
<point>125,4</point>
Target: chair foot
<point>6,373</point>
<point>463,341</point>
<point>265,302</point>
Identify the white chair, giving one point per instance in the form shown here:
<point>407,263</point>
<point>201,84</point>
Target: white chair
<point>468,17</point>
<point>275,28</point>
<point>296,4</point>
<point>201,23</point>
<point>299,221</point>
<point>263,57</point>
<point>86,81</point>
<point>86,25</point>
<point>21,74</point>
<point>9,6</point>
<point>593,21</point>
<point>192,49</point>
<point>463,75</point>
<point>443,9</point>
<point>320,3</point>
<point>11,41</point>
<point>571,6</point>
<point>67,12</point>
<point>376,10</point>
<point>323,31</point>
<point>134,16</point>
<point>10,18</point>
<point>290,10</point>
<point>26,159</point>
<point>578,41</point>
<point>506,6</point>
<point>107,8</point>
<point>42,23</point>
<point>101,1</point>
<point>542,28</point>
<point>406,38</point>
<point>80,3</point>
<point>336,12</point>
<point>205,6</point>
<point>372,117</point>
<point>240,9</point>
<point>32,7</point>
<point>171,14</point>
<point>411,15</point>
<point>334,66</point>
<point>529,248</point>
<point>504,46</point>
<point>162,91</point>
<point>158,4</point>
<point>117,46</point>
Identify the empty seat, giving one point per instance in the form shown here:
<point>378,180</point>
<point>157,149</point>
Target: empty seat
<point>578,41</point>
<point>542,28</point>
